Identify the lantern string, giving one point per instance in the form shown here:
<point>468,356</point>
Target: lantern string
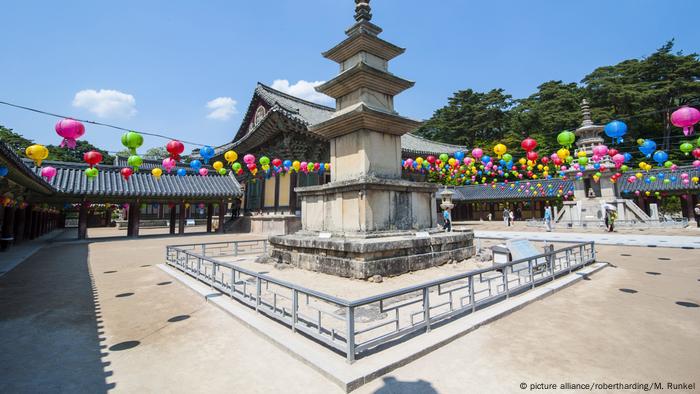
<point>98,123</point>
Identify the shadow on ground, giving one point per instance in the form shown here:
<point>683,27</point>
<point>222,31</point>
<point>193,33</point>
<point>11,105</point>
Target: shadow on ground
<point>51,326</point>
<point>394,386</point>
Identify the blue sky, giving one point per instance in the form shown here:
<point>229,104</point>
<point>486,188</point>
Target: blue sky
<point>154,65</point>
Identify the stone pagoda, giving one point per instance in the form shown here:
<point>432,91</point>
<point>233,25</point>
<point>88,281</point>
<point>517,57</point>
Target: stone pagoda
<point>591,197</point>
<point>367,221</point>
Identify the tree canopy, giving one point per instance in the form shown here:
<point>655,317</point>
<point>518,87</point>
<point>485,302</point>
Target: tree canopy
<point>640,92</point>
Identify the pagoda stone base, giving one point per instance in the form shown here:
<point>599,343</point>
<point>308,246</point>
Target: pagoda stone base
<point>362,258</point>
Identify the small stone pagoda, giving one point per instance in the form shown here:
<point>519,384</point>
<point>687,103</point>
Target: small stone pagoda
<point>367,221</point>
<point>591,197</point>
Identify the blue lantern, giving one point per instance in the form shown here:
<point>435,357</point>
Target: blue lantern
<point>182,171</point>
<point>647,147</point>
<point>459,155</point>
<point>628,157</point>
<point>615,130</point>
<point>660,157</point>
<point>196,165</point>
<point>207,153</point>
<point>4,171</point>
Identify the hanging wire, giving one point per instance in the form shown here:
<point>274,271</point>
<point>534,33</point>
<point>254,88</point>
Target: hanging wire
<point>98,123</point>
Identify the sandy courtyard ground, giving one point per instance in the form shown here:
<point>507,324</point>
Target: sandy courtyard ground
<point>99,316</point>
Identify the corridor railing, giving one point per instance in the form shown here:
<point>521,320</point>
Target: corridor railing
<point>370,324</point>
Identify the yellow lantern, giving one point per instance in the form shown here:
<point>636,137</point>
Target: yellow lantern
<point>581,153</point>
<point>156,172</point>
<point>500,150</point>
<point>38,153</point>
<point>218,165</point>
<point>230,156</point>
<point>563,153</point>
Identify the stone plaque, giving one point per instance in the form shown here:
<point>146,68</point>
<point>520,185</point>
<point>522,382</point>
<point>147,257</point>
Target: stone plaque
<point>324,235</point>
<point>422,234</point>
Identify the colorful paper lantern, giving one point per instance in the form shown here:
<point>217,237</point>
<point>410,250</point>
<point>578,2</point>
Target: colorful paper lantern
<point>70,130</point>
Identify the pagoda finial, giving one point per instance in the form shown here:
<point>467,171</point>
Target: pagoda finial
<point>586,111</point>
<point>363,12</point>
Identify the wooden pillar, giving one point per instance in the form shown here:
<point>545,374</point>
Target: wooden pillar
<point>28,222</point>
<point>277,193</point>
<point>8,228</point>
<point>262,194</point>
<point>61,220</point>
<point>137,219</point>
<point>19,225</point>
<point>292,194</point>
<point>130,220</point>
<point>82,221</point>
<point>532,209</point>
<point>210,215</point>
<point>222,215</point>
<point>183,215</point>
<point>173,218</point>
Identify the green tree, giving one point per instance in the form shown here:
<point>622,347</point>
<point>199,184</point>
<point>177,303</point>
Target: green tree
<point>158,152</point>
<point>470,118</point>
<point>15,141</point>
<point>76,155</point>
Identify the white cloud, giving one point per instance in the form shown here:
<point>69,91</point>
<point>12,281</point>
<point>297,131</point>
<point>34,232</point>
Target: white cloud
<point>106,103</point>
<point>222,108</point>
<point>303,89</point>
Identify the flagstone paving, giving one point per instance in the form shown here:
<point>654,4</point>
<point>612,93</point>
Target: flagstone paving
<point>100,316</point>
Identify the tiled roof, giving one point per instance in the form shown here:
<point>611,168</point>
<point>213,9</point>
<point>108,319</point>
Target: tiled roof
<point>417,145</point>
<point>27,177</point>
<point>675,183</point>
<point>71,180</point>
<point>520,190</point>
<point>149,164</point>
<point>306,112</point>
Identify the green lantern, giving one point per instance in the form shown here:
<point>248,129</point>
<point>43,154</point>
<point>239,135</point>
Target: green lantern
<point>686,148</point>
<point>132,141</point>
<point>566,138</point>
<point>135,162</point>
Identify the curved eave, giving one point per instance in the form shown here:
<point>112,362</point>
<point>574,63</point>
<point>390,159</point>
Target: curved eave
<point>363,75</point>
<point>363,42</point>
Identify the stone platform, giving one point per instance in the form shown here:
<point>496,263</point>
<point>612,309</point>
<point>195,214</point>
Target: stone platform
<point>362,258</point>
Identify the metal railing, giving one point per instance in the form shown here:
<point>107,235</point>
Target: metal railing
<point>661,223</point>
<point>372,323</point>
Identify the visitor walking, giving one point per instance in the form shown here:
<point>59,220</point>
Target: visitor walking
<point>610,216</point>
<point>511,217</point>
<point>697,214</point>
<point>448,223</point>
<point>506,217</point>
<point>548,217</point>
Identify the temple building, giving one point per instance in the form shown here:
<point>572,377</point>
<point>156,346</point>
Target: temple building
<point>280,125</point>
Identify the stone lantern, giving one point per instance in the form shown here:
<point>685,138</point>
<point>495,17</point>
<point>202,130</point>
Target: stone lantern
<point>446,197</point>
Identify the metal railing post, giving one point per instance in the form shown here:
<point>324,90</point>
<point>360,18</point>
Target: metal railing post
<point>471,293</point>
<point>213,275</point>
<point>505,281</point>
<point>295,307</point>
<point>199,267</point>
<point>235,248</point>
<point>568,259</point>
<point>257,293</point>
<point>233,281</point>
<point>426,307</point>
<point>350,334</point>
<point>204,250</point>
<point>592,250</point>
<point>532,274</point>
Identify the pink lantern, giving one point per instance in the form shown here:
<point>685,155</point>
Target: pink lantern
<point>696,163</point>
<point>203,171</point>
<point>618,159</point>
<point>686,117</point>
<point>248,159</point>
<point>168,163</point>
<point>48,173</point>
<point>70,130</point>
<point>477,153</point>
<point>304,167</point>
<point>600,150</point>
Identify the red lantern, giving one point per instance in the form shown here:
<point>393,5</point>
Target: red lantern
<point>528,144</point>
<point>612,152</point>
<point>532,155</point>
<point>431,159</point>
<point>276,162</point>
<point>696,153</point>
<point>175,148</point>
<point>93,158</point>
<point>545,160</point>
<point>126,173</point>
